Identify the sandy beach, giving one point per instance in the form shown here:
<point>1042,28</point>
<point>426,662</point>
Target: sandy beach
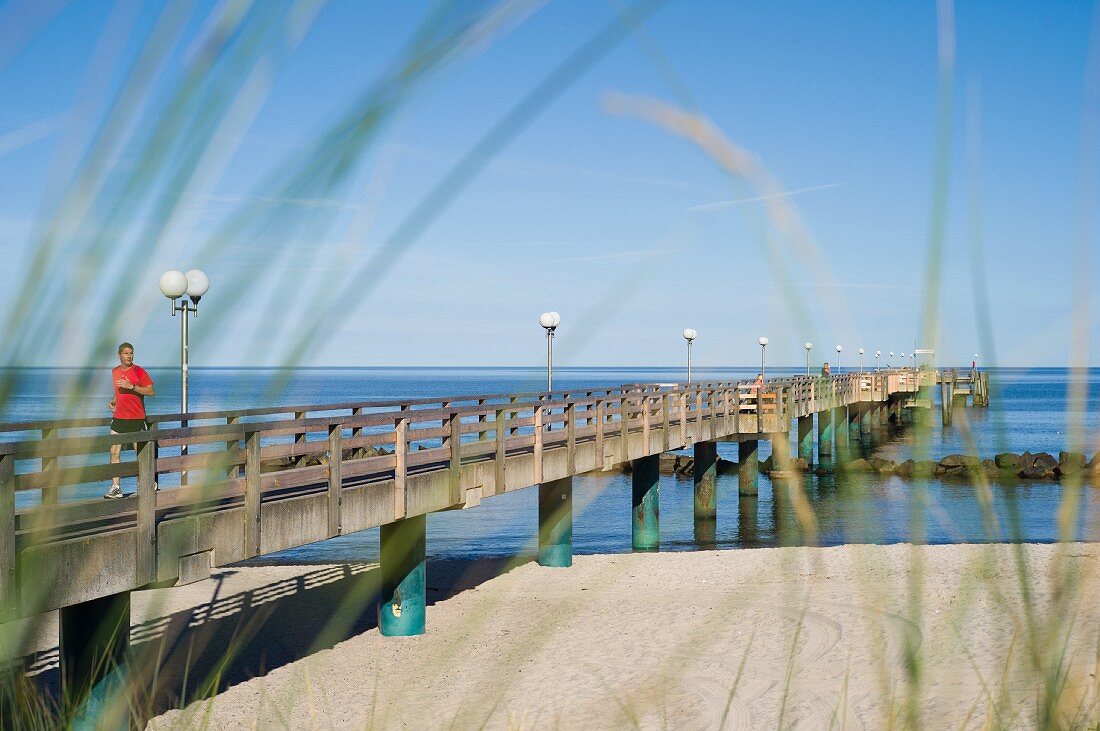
<point>806,637</point>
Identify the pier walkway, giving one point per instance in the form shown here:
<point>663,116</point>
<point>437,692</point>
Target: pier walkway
<point>256,481</point>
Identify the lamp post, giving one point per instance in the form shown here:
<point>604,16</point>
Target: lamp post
<point>838,349</point>
<point>903,361</point>
<point>689,335</point>
<point>891,357</point>
<point>975,361</point>
<point>173,285</point>
<point>861,361</point>
<point>763,346</point>
<point>808,346</point>
<point>877,354</point>
<point>550,321</point>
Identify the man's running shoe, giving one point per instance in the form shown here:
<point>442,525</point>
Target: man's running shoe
<point>114,493</point>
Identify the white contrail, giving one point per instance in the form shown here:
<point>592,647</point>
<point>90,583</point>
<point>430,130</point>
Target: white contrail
<point>717,205</point>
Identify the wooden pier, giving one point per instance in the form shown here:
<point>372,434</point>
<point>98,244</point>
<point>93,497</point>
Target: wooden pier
<point>269,479</point>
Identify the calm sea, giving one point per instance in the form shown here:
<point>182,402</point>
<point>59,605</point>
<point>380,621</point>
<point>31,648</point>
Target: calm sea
<point>1029,411</point>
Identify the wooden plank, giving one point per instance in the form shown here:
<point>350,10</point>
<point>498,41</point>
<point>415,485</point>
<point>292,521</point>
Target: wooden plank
<point>252,494</point>
<point>145,541</point>
<point>74,476</point>
<point>335,478</point>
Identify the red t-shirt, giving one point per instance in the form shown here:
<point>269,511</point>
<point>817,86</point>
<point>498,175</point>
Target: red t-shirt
<point>130,405</point>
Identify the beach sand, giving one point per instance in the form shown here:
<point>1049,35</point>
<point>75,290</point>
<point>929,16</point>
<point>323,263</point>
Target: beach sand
<point>806,637</point>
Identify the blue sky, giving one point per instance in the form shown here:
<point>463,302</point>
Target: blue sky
<point>631,232</point>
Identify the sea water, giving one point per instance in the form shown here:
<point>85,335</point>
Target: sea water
<point>1029,410</point>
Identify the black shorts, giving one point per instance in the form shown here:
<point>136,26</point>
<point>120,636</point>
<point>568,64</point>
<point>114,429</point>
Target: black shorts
<point>126,426</point>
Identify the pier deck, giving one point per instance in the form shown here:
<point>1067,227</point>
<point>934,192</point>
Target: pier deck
<point>345,468</point>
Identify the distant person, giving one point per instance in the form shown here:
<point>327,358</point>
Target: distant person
<point>759,382</point>
<point>132,384</point>
<point>825,370</point>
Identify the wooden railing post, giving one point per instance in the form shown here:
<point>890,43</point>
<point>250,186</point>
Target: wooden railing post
<point>145,539</point>
<point>482,417</point>
<point>299,438</point>
<point>538,443</point>
<point>252,494</point>
<point>400,468</point>
<point>455,441</point>
<point>683,418</point>
<point>624,427</point>
<point>665,419</point>
<point>698,415</point>
<point>9,587</point>
<point>500,434</point>
<point>49,465</point>
<point>760,409</point>
<point>232,451</point>
<point>571,436</point>
<point>357,431</point>
<point>646,406</point>
<point>601,413</point>
<point>335,477</point>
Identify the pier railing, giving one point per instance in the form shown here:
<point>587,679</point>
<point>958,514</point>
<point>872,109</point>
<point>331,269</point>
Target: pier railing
<point>235,465</point>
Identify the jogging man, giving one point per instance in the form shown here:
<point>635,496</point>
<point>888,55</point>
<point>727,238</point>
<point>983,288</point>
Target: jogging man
<point>132,385</point>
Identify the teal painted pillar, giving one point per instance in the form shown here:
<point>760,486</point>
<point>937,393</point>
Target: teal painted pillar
<point>825,435</point>
<point>706,480</point>
<point>402,597</point>
<point>645,479</point>
<point>748,467</point>
<point>840,434</point>
<point>94,637</point>
<point>806,439</point>
<point>556,523</point>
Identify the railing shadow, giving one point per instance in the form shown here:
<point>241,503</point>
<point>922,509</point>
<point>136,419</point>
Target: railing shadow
<point>196,652</point>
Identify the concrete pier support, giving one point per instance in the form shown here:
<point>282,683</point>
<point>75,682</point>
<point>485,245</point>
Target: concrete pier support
<point>806,438</point>
<point>781,451</point>
<point>706,480</point>
<point>94,638</point>
<point>748,522</point>
<point>748,467</point>
<point>556,523</point>
<point>866,418</point>
<point>946,399</point>
<point>824,435</point>
<point>645,478</point>
<point>402,592</point>
<point>840,434</point>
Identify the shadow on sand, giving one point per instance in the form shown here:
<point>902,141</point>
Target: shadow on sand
<point>193,653</point>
